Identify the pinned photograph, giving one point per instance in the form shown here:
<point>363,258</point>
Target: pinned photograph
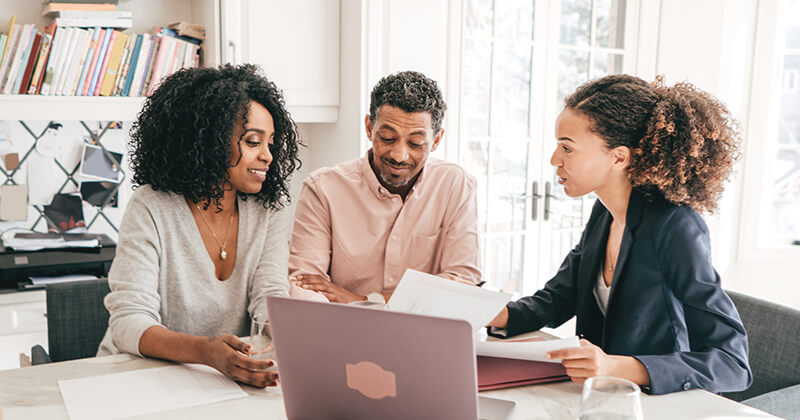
<point>97,192</point>
<point>65,214</point>
<point>96,164</point>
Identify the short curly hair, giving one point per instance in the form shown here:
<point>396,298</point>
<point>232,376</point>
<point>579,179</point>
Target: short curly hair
<point>683,141</point>
<point>410,91</point>
<point>181,139</point>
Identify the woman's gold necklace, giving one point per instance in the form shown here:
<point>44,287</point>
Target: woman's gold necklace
<point>223,254</point>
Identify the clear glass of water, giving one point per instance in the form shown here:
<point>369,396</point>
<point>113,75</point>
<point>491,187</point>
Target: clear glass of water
<point>261,339</point>
<point>609,398</point>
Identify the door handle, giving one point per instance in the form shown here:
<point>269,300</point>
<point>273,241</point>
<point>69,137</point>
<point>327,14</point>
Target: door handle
<point>233,52</point>
<point>535,196</point>
<point>547,197</point>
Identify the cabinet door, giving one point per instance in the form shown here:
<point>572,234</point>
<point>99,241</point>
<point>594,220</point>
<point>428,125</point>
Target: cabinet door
<point>296,43</point>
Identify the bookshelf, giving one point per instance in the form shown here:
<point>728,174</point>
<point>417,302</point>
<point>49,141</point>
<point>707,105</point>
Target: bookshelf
<point>69,108</point>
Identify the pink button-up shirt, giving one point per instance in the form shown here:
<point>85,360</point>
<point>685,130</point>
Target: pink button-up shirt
<point>362,237</point>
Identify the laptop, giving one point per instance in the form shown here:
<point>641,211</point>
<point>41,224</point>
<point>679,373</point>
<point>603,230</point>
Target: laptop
<point>353,362</point>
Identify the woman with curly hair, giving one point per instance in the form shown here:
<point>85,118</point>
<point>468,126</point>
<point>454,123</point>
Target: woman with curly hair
<point>648,302</point>
<point>204,238</point>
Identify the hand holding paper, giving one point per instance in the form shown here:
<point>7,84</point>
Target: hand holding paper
<point>426,294</point>
<point>524,350</point>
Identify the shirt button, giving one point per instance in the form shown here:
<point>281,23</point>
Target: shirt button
<point>394,237</point>
<point>687,386</point>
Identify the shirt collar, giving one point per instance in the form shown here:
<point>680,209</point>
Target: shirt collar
<point>374,183</point>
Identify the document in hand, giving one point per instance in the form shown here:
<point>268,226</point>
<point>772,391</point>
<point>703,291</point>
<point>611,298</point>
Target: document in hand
<point>498,371</point>
<point>425,294</point>
<point>524,350</point>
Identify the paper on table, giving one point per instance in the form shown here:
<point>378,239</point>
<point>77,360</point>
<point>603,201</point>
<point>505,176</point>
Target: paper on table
<point>138,392</point>
<point>425,294</point>
<point>524,350</point>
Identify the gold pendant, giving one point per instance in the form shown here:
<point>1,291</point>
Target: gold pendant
<point>223,254</point>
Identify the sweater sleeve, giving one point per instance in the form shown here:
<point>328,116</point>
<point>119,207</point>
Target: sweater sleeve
<point>133,303</point>
<point>271,276</point>
<point>716,359</point>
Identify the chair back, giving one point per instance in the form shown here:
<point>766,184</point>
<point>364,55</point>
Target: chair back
<point>77,319</point>
<point>773,335</point>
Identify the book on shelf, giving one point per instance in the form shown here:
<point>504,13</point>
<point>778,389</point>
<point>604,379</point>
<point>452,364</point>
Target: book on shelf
<point>83,85</point>
<point>8,54</point>
<point>85,64</point>
<point>52,7</point>
<point>113,64</point>
<point>41,62</point>
<point>22,87</point>
<point>191,30</point>
<point>102,73</point>
<point>22,62</point>
<point>89,14</point>
<point>4,44</point>
<point>120,23</point>
<point>88,90</point>
<point>16,58</point>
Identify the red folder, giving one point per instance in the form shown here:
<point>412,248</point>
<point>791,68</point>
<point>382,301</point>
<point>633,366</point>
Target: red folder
<point>498,372</point>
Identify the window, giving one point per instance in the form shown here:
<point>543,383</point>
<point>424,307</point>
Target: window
<point>772,198</point>
<point>518,60</point>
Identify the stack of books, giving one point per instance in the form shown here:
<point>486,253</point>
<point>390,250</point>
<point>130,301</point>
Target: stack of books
<point>75,60</point>
<point>87,13</point>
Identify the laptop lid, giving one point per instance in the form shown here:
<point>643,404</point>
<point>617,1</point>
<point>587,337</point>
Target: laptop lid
<point>350,362</point>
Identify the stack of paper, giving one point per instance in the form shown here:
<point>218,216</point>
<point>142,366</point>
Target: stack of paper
<point>140,392</point>
<point>37,241</point>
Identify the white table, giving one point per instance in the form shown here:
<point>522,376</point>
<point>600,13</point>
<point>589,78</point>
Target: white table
<point>33,393</point>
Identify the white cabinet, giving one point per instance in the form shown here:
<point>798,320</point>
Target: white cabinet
<point>23,324</point>
<point>295,42</point>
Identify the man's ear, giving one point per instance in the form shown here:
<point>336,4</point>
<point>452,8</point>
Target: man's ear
<point>437,139</point>
<point>368,127</point>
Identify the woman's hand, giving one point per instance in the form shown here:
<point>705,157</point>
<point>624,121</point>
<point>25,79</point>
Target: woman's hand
<point>229,355</point>
<point>501,320</point>
<point>589,360</point>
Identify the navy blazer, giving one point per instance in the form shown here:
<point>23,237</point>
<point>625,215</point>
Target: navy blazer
<point>666,307</point>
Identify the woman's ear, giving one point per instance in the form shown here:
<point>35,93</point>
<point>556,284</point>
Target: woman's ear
<point>622,157</point>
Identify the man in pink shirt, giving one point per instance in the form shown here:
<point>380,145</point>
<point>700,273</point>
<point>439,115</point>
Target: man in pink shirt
<point>360,224</point>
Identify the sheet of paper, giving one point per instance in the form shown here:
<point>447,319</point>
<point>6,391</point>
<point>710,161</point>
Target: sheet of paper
<point>425,294</point>
<point>139,392</point>
<point>14,202</point>
<point>527,350</point>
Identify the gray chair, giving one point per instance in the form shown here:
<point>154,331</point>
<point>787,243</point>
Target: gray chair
<point>76,321</point>
<point>773,334</point>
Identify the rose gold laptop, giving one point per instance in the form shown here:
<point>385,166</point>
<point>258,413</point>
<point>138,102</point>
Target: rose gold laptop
<point>353,362</point>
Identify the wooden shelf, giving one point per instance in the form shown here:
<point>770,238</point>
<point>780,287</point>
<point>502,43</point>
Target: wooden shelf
<point>69,108</point>
<point>113,108</point>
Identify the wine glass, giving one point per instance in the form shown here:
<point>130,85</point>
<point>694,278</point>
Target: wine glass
<point>609,398</point>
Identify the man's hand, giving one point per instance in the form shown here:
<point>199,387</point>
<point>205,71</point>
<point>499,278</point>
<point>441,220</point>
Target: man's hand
<point>228,354</point>
<point>589,360</point>
<point>333,292</point>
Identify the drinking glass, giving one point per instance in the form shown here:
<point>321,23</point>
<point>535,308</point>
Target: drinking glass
<point>609,398</point>
<point>260,339</point>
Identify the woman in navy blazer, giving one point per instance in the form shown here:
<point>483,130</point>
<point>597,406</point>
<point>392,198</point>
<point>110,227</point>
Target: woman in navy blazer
<point>648,301</point>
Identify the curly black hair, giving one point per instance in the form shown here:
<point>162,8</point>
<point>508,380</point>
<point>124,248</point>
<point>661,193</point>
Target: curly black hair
<point>410,91</point>
<point>181,139</point>
<point>683,141</point>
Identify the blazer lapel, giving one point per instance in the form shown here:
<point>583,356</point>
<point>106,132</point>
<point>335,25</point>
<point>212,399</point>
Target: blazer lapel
<point>590,323</point>
<point>632,220</point>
